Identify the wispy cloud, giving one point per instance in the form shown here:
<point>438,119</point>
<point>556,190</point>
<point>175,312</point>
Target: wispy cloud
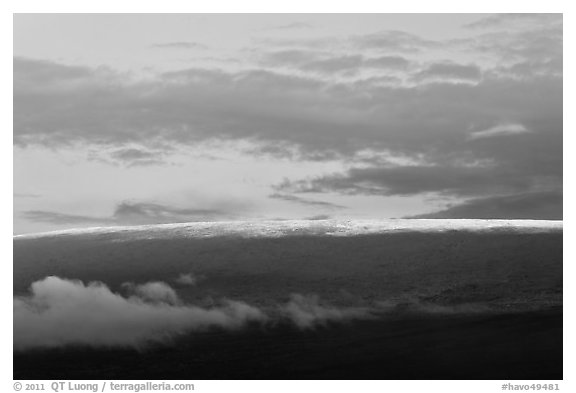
<point>414,179</point>
<point>60,312</point>
<point>130,156</point>
<point>308,312</point>
<point>450,71</point>
<point>305,201</point>
<point>500,130</point>
<point>393,41</point>
<point>329,98</point>
<point>134,213</point>
<point>189,279</point>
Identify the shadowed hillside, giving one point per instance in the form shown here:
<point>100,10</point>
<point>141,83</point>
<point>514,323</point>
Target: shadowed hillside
<point>445,261</point>
<point>401,299</point>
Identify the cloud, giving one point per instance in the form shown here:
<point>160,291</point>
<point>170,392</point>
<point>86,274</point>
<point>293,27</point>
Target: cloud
<point>307,312</point>
<point>450,71</point>
<point>267,108</point>
<point>63,312</point>
<point>188,279</point>
<point>515,20</point>
<point>305,201</point>
<point>330,99</point>
<point>414,179</point>
<point>155,292</point>
<point>60,312</point>
<point>500,130</point>
<point>334,64</point>
<point>393,41</point>
<point>387,62</point>
<point>290,57</point>
<point>130,156</point>
<point>535,206</point>
<point>147,212</point>
<point>537,43</point>
<point>329,63</point>
<point>135,213</point>
<point>313,61</point>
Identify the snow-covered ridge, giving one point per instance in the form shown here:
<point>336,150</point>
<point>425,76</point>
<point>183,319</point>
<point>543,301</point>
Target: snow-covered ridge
<point>278,228</point>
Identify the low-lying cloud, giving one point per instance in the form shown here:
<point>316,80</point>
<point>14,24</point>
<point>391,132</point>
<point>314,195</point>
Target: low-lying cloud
<point>307,312</point>
<point>61,312</point>
<point>188,279</point>
<point>156,292</point>
<point>66,312</point>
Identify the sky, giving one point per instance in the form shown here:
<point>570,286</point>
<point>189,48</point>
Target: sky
<point>128,119</point>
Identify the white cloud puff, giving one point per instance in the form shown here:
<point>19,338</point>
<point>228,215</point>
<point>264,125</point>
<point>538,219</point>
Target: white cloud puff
<point>307,312</point>
<point>66,312</point>
<point>61,312</point>
<point>500,130</point>
<point>188,279</point>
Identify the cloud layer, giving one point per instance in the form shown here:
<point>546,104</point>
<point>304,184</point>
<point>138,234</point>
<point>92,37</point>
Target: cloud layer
<point>307,312</point>
<point>478,116</point>
<point>62,312</point>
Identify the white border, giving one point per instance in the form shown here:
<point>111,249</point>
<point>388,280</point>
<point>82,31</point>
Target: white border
<point>305,6</point>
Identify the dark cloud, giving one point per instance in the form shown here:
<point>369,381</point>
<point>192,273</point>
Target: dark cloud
<point>334,64</point>
<point>133,213</point>
<point>291,57</point>
<point>500,135</point>
<point>536,206</point>
<point>531,68</point>
<point>387,62</point>
<point>137,157</point>
<point>305,201</point>
<point>28,73</point>
<point>411,180</point>
<point>151,212</point>
<point>355,63</point>
<point>267,107</point>
<point>328,63</point>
